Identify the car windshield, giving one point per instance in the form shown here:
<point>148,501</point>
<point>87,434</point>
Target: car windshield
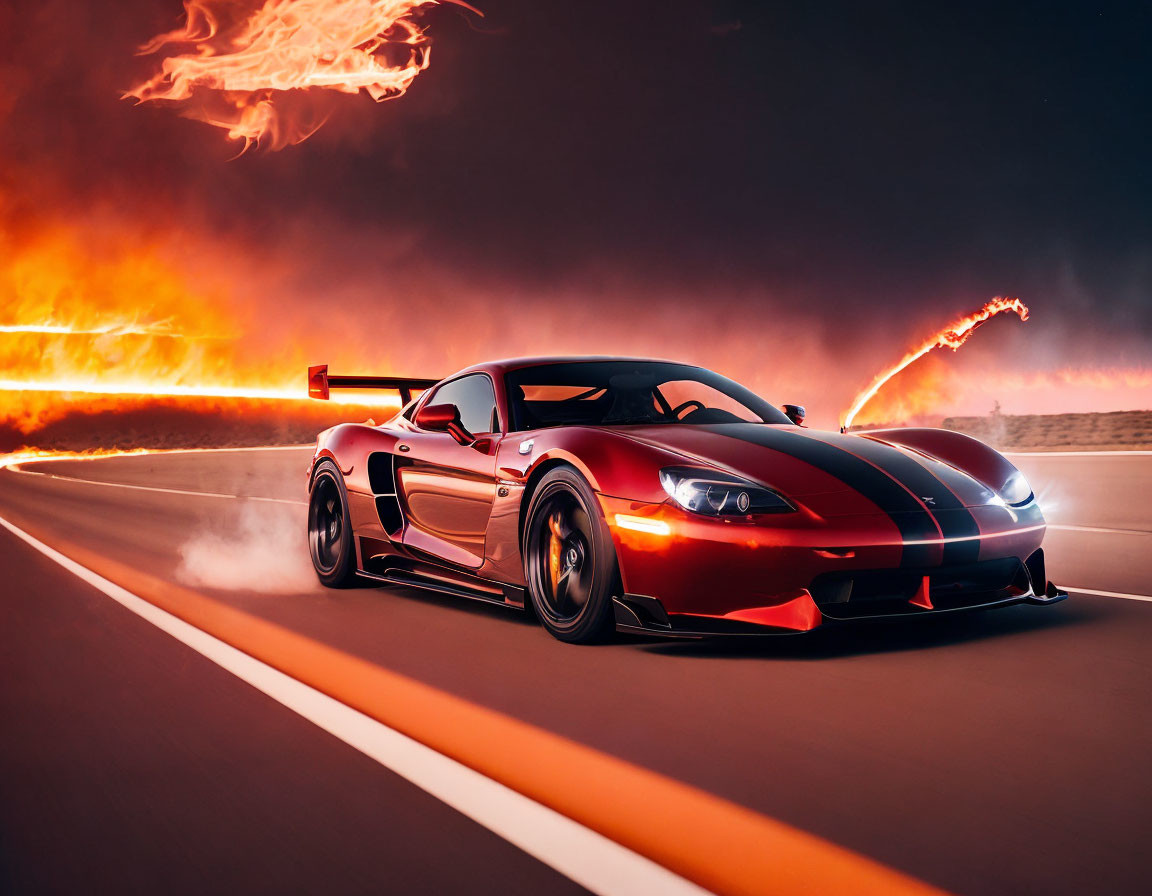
<point>624,393</point>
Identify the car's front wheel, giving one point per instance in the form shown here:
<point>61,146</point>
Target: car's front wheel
<point>329,533</point>
<point>569,560</point>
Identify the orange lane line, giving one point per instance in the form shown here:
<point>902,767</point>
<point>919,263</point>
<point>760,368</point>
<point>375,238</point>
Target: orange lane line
<point>708,840</point>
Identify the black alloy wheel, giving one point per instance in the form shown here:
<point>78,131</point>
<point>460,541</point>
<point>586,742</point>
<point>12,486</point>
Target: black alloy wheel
<point>329,533</point>
<point>570,562</point>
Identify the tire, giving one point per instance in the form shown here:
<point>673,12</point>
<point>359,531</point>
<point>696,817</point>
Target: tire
<point>329,530</point>
<point>569,559</point>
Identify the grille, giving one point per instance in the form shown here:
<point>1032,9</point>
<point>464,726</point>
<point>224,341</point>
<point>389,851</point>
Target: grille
<point>872,591</point>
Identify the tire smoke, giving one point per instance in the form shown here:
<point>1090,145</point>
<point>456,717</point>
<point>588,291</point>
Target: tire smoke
<point>261,548</point>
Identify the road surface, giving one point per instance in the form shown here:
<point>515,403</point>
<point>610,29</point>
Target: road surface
<point>1000,752</point>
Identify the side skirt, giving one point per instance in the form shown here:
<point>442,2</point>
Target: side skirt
<point>511,596</point>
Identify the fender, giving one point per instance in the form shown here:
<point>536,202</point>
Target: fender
<point>348,446</point>
<point>613,464</point>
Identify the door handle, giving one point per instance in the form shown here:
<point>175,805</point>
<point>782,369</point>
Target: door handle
<point>404,447</point>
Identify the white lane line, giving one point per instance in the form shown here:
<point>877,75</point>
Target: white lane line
<point>1076,453</point>
<point>1102,529</point>
<point>154,488</point>
<point>590,859</point>
<point>1095,593</point>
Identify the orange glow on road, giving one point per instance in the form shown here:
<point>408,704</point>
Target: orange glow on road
<point>953,336</point>
<point>247,72</point>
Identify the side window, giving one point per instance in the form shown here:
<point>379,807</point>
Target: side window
<point>474,397</point>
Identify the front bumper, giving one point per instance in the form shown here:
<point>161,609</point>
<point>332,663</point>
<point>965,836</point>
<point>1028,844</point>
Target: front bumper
<point>799,612</point>
<point>795,572</point>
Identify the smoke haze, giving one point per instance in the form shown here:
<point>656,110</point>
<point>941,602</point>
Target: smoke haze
<point>261,548</point>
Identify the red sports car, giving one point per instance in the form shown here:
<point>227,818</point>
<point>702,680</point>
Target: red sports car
<point>656,497</point>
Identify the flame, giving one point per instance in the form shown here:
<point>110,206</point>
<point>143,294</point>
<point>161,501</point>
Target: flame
<point>239,73</point>
<point>953,336</point>
<point>918,395</point>
<point>160,389</point>
<point>90,304</point>
<point>111,329</point>
<point>96,317</point>
<point>14,459</point>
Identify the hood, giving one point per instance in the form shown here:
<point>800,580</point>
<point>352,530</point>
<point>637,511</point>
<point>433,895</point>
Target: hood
<point>805,464</point>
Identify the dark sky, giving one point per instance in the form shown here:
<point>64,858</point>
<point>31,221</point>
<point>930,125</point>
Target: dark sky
<point>811,165</point>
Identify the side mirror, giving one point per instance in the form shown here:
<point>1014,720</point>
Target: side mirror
<point>795,413</point>
<point>437,417</point>
<point>444,418</point>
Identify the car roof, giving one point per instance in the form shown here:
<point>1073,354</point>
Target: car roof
<point>499,368</point>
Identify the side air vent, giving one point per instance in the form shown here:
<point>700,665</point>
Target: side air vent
<point>381,473</point>
<point>382,479</point>
<point>388,509</point>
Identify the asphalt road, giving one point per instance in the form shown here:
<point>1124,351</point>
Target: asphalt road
<point>1099,510</point>
<point>1000,752</point>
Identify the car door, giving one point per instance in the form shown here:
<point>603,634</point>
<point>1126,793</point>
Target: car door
<point>447,488</point>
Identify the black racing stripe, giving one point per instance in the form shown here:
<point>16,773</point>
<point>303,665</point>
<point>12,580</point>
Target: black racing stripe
<point>954,519</point>
<point>909,515</point>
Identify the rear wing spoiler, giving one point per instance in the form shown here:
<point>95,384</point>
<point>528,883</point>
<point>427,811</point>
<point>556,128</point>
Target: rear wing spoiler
<point>321,383</point>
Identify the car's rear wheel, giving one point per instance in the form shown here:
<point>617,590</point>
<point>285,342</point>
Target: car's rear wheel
<point>329,532</point>
<point>569,560</point>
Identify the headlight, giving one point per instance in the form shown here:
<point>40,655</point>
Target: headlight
<point>1016,490</point>
<point>714,493</point>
